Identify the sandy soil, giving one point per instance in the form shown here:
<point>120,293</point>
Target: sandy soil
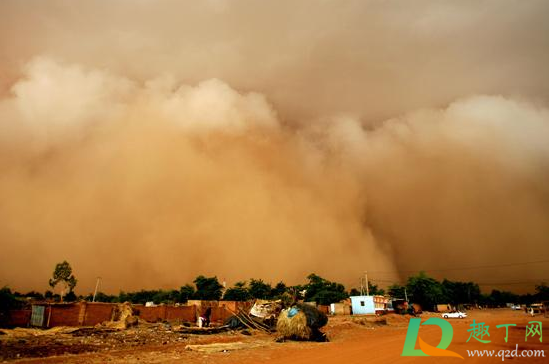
<point>353,340</point>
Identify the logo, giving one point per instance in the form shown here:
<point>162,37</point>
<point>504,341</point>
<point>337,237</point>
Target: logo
<point>424,348</point>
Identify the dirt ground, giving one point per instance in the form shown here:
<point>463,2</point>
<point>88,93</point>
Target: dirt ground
<point>352,340</point>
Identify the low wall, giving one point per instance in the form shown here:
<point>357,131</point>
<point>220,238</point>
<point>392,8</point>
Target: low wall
<point>20,318</point>
<point>166,313</point>
<point>220,314</point>
<point>93,313</point>
<point>62,315</point>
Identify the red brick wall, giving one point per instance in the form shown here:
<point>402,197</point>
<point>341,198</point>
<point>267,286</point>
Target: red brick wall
<point>62,315</point>
<point>220,314</point>
<point>181,313</point>
<point>168,313</point>
<point>19,318</point>
<point>96,313</point>
<point>89,314</point>
<point>151,314</point>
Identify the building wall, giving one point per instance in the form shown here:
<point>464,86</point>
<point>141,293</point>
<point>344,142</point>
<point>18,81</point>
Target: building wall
<point>363,305</point>
<point>442,307</point>
<point>19,318</point>
<point>340,308</point>
<point>236,306</point>
<point>220,314</point>
<point>167,313</point>
<point>150,314</point>
<point>92,314</point>
<point>221,310</point>
<point>62,315</point>
<point>181,313</point>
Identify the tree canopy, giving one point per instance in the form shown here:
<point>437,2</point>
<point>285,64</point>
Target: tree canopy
<point>460,292</point>
<point>424,290</point>
<point>208,288</point>
<point>8,300</point>
<point>237,293</point>
<point>397,291</point>
<point>259,289</point>
<point>63,274</point>
<point>324,292</point>
<point>186,293</point>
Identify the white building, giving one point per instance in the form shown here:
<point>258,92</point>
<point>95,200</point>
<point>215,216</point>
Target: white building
<point>363,305</point>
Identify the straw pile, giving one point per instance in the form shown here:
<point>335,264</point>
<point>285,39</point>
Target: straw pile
<point>293,327</point>
<point>123,317</point>
<point>301,322</point>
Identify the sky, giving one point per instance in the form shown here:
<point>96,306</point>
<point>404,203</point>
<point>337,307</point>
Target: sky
<point>147,142</point>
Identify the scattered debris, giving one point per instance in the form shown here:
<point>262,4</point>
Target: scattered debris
<point>266,310</point>
<point>242,320</point>
<point>223,347</point>
<point>201,330</point>
<point>28,342</point>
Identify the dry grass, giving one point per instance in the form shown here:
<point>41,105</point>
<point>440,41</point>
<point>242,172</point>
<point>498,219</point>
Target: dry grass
<point>295,327</point>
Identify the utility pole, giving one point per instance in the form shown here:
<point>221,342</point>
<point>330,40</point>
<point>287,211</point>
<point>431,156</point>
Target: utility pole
<point>96,287</point>
<point>366,280</point>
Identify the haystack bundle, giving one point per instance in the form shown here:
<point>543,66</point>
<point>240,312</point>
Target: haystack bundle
<point>123,316</point>
<point>301,322</point>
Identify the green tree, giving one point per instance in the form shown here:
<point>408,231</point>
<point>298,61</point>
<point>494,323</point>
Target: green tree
<point>542,292</point>
<point>63,274</point>
<point>374,289</point>
<point>237,293</point>
<point>70,297</point>
<point>424,290</point>
<point>458,293</point>
<point>397,291</point>
<point>526,299</point>
<point>259,289</point>
<point>166,296</point>
<point>279,290</point>
<point>498,298</point>
<point>8,301</point>
<point>186,293</point>
<point>36,296</point>
<point>354,292</point>
<point>101,297</point>
<point>322,291</point>
<point>208,288</point>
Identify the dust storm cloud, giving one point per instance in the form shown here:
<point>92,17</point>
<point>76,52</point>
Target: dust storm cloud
<point>150,142</point>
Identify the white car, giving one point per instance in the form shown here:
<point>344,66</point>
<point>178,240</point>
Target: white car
<point>454,314</point>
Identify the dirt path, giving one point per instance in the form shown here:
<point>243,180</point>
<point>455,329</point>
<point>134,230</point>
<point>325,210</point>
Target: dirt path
<point>351,343</point>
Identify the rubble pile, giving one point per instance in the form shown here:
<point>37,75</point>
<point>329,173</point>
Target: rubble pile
<point>19,343</point>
